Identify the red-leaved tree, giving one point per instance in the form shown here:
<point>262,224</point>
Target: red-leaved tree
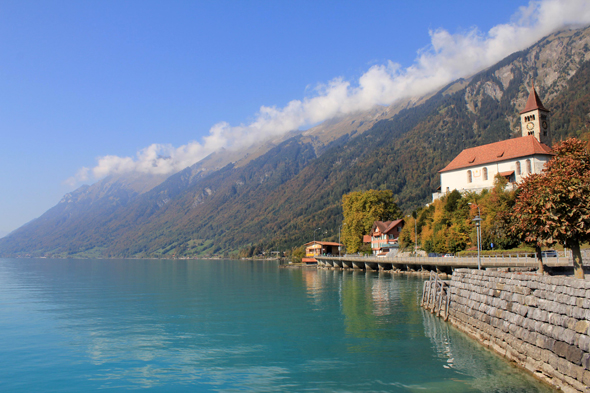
<point>554,206</point>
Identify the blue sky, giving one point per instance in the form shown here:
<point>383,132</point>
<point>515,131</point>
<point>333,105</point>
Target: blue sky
<point>85,80</point>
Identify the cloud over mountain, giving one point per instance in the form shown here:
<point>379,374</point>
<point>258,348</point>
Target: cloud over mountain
<point>448,57</point>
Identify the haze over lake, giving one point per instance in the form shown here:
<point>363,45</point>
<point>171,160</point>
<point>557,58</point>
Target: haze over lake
<point>85,325</point>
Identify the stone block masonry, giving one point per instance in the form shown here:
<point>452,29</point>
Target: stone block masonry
<point>542,323</point>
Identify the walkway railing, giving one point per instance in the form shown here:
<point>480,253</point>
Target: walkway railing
<point>518,260</point>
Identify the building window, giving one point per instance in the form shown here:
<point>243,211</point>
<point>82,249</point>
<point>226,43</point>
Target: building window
<point>485,173</point>
<point>469,178</point>
<point>528,166</point>
<point>518,172</point>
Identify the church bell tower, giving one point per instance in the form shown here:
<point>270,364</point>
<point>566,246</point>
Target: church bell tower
<point>534,119</point>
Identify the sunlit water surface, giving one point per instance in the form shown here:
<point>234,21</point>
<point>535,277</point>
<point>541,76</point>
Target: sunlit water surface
<point>87,325</point>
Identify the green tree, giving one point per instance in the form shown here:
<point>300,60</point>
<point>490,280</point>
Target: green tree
<point>297,254</point>
<point>554,206</point>
<point>361,209</point>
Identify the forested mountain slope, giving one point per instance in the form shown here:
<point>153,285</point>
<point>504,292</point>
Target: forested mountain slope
<point>277,199</point>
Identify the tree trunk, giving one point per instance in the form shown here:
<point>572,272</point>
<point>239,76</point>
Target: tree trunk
<point>539,259</point>
<point>577,257</point>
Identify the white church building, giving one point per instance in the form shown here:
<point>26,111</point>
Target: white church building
<point>474,169</point>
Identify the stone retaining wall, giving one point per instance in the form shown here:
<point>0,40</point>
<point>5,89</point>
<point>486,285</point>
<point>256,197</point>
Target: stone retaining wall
<point>539,322</point>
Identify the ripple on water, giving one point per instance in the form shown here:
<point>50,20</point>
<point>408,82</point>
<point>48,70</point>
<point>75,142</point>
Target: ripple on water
<point>88,325</point>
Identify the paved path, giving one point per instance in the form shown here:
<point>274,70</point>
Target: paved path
<point>427,263</point>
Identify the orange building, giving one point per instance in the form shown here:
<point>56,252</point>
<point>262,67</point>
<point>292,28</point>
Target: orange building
<point>316,248</point>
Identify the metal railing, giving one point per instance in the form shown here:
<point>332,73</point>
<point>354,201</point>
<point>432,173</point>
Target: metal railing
<point>559,258</point>
<point>436,296</point>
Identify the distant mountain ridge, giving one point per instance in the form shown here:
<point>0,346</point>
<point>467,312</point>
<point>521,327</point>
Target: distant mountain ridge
<point>275,194</point>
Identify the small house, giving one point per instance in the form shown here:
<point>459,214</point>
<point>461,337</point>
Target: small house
<point>384,236</point>
<point>317,248</point>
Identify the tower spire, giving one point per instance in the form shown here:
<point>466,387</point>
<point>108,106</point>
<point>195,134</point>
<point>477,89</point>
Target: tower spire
<point>533,102</point>
<point>534,119</point>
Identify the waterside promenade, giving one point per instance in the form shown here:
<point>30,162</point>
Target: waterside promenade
<point>539,322</point>
<point>443,264</point>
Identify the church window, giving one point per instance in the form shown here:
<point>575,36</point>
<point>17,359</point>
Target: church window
<point>518,172</point>
<point>469,178</point>
<point>528,166</point>
<point>485,173</point>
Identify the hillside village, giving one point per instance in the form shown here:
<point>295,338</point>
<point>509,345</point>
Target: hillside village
<point>480,185</point>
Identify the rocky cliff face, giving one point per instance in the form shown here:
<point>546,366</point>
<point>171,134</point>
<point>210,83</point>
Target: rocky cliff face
<point>275,194</point>
<point>550,64</point>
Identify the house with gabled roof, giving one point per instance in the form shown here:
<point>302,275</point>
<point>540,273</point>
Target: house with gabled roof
<point>317,248</point>
<point>474,169</point>
<point>384,236</point>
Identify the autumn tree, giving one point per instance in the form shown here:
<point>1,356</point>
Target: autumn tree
<point>407,237</point>
<point>496,206</point>
<point>554,206</point>
<point>297,254</point>
<point>361,209</point>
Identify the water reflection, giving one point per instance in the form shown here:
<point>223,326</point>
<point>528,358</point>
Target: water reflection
<point>484,369</point>
<point>222,326</point>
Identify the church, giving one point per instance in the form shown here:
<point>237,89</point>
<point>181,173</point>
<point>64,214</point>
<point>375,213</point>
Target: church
<point>474,169</point>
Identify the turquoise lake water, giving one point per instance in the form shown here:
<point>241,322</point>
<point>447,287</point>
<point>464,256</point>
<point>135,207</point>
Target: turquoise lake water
<point>200,326</point>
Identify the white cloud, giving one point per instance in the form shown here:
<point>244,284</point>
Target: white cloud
<point>450,56</point>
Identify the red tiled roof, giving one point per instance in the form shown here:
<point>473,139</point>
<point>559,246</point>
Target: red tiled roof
<point>385,226</point>
<point>533,102</point>
<point>498,151</point>
<point>323,243</point>
<point>507,173</point>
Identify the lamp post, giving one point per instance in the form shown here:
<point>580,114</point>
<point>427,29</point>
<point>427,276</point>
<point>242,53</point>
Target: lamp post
<point>478,226</point>
<point>415,234</point>
<point>317,229</point>
<point>340,230</point>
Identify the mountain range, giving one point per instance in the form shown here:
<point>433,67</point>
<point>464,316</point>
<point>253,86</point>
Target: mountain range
<point>273,195</point>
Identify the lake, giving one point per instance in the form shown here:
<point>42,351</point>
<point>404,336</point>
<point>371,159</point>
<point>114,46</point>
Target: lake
<point>227,326</point>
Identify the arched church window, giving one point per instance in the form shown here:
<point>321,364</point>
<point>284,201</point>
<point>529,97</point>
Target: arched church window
<point>469,178</point>
<point>518,172</point>
<point>528,166</point>
<point>485,173</point>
